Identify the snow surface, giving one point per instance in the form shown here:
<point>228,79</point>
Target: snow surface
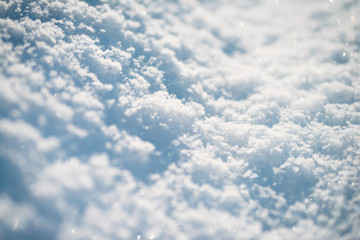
<point>185,119</point>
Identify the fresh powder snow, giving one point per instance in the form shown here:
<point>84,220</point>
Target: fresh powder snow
<point>187,119</point>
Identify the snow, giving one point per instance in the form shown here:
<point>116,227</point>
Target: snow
<point>179,119</point>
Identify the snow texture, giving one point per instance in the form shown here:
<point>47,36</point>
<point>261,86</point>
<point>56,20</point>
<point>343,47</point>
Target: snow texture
<point>185,119</point>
